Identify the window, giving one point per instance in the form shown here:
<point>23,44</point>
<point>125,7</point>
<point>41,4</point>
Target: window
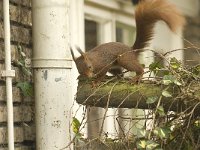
<point>125,33</point>
<point>91,34</point>
<point>105,24</point>
<point>106,21</point>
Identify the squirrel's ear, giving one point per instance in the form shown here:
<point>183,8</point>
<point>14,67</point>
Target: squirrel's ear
<point>71,50</point>
<point>79,50</point>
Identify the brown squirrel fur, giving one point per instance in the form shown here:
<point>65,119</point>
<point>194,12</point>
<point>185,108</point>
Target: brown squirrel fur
<point>97,62</point>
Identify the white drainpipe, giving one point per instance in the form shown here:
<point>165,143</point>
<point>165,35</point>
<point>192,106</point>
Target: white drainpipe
<point>9,74</point>
<point>52,73</point>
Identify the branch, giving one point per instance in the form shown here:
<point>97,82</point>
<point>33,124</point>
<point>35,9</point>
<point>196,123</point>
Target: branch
<point>126,95</point>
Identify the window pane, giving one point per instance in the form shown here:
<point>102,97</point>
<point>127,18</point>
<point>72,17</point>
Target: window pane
<point>93,113</point>
<point>125,34</point>
<point>91,34</point>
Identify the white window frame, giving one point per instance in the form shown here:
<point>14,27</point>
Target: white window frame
<point>107,13</point>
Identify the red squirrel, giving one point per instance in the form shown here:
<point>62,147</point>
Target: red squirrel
<point>96,62</point>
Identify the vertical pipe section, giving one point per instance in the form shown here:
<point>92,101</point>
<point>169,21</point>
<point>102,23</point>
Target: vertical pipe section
<point>52,73</point>
<point>8,77</point>
<point>77,38</point>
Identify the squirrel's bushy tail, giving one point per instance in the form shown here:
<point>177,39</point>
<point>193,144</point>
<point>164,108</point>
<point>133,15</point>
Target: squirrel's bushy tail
<point>148,12</point>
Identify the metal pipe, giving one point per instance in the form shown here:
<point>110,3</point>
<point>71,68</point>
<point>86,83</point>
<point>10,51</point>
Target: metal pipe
<point>52,73</point>
<point>8,74</point>
<point>77,38</point>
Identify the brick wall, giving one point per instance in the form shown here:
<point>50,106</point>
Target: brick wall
<point>20,15</point>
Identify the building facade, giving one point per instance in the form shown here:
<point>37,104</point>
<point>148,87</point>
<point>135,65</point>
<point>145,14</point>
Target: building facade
<point>92,22</point>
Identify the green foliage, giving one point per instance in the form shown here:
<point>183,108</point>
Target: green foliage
<point>76,127</point>
<point>171,131</point>
<point>26,88</point>
<point>166,93</point>
<point>163,129</point>
<point>151,100</point>
<point>155,66</point>
<point>24,64</point>
<point>147,144</point>
<point>160,111</point>
<point>162,132</point>
<point>175,64</point>
<point>170,79</point>
<point>141,133</point>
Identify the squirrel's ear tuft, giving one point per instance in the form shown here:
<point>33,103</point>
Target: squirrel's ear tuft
<point>72,53</point>
<point>79,50</point>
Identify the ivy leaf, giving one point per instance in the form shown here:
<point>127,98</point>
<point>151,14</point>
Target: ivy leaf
<point>141,144</point>
<point>151,145</point>
<point>155,66</point>
<point>197,123</point>
<point>167,79</point>
<point>26,88</point>
<point>166,93</point>
<point>148,145</point>
<point>75,125</point>
<point>196,70</point>
<point>163,132</point>
<point>160,110</point>
<point>174,63</point>
<point>141,133</point>
<point>177,82</point>
<point>151,100</point>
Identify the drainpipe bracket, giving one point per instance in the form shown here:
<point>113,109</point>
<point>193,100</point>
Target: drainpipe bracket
<point>7,73</point>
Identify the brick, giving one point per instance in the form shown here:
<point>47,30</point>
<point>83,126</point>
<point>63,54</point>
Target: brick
<point>18,133</point>
<point>17,97</point>
<point>15,56</point>
<point>26,3</point>
<point>21,113</point>
<point>29,133</point>
<point>28,112</point>
<point>22,2</point>
<point>1,30</point>
<point>25,50</point>
<point>20,76</point>
<point>16,94</point>
<point>18,34</point>
<point>2,93</point>
<point>20,14</point>
<point>24,148</point>
<point>14,52</point>
<point>20,148</point>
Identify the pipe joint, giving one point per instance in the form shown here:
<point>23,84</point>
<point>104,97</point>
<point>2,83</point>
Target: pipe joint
<point>52,63</point>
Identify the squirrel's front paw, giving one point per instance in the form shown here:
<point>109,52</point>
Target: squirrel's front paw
<point>136,80</point>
